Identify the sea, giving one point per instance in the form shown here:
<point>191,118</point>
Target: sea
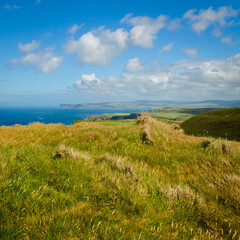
<point>25,116</point>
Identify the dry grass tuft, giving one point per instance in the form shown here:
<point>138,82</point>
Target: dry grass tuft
<point>64,152</point>
<point>146,136</point>
<point>205,144</point>
<point>175,126</point>
<point>145,119</point>
<point>183,193</point>
<point>221,146</point>
<point>216,144</point>
<point>68,152</point>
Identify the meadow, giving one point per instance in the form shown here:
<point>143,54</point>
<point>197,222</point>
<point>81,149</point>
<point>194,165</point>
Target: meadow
<point>138,179</point>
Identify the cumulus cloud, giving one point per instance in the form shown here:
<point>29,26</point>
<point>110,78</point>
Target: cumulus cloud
<point>144,29</point>
<point>98,47</point>
<point>191,52</point>
<point>11,7</point>
<point>182,80</point>
<point>74,28</point>
<point>166,48</point>
<point>134,65</point>
<point>28,47</point>
<point>44,61</point>
<point>87,81</point>
<point>204,18</point>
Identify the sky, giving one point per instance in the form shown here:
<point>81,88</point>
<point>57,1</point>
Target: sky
<point>58,51</point>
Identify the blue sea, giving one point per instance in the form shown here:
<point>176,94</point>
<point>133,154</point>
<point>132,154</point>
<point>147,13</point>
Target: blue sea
<point>24,116</point>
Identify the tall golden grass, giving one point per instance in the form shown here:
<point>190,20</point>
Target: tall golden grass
<point>142,181</point>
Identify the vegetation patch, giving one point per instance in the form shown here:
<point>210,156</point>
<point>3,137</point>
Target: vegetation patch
<point>91,181</point>
<point>224,123</point>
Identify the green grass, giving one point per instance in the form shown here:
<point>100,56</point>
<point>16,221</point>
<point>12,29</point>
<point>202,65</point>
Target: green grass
<point>115,114</point>
<point>176,116</point>
<point>108,122</point>
<point>224,123</point>
<point>130,181</point>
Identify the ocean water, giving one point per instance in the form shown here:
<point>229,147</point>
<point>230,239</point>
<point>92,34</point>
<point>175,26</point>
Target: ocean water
<point>24,116</point>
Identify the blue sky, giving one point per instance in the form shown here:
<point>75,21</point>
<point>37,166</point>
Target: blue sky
<point>57,51</point>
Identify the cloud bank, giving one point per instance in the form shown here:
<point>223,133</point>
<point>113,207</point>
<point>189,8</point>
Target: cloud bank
<point>182,80</point>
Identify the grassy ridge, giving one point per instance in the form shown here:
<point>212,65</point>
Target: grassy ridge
<point>224,123</point>
<point>141,181</point>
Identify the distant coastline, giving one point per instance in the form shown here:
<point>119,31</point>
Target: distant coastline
<point>149,105</point>
<point>25,116</point>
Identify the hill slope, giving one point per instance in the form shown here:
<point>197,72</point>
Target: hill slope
<point>131,181</point>
<point>224,123</point>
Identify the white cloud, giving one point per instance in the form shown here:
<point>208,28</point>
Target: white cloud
<point>202,20</point>
<point>166,48</point>
<point>134,65</point>
<point>182,80</point>
<point>144,29</point>
<point>28,47</point>
<point>44,61</point>
<point>227,40</point>
<point>191,52</point>
<point>98,47</point>
<point>11,7</point>
<point>87,81</point>
<point>74,28</point>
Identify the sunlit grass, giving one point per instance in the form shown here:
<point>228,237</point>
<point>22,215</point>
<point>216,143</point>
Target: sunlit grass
<point>108,180</point>
<point>108,122</point>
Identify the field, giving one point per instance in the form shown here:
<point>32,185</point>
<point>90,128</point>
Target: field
<point>174,114</point>
<point>224,123</point>
<point>107,122</point>
<point>144,180</point>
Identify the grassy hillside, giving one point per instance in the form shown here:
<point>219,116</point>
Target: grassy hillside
<point>224,123</point>
<point>177,114</point>
<point>132,181</point>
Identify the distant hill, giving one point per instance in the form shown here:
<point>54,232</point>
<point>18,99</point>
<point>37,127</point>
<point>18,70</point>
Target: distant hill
<point>149,105</point>
<point>224,123</point>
